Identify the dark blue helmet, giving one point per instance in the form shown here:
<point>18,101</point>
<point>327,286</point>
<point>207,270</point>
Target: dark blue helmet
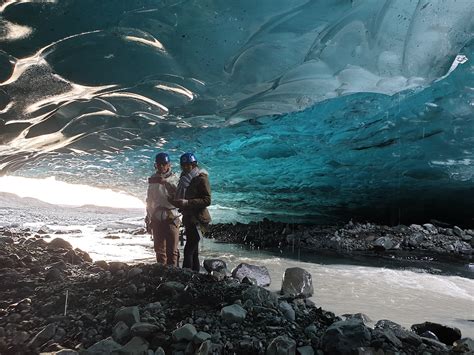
<point>187,158</point>
<point>162,158</point>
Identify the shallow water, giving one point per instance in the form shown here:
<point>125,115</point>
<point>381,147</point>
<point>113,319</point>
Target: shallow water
<point>405,293</point>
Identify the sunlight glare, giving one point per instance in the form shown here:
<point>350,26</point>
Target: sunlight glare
<point>57,192</point>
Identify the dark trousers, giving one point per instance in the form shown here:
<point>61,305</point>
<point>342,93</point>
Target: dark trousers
<point>191,249</point>
<point>165,242</point>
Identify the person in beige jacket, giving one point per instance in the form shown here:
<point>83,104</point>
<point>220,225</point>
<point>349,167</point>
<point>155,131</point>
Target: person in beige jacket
<point>161,216</point>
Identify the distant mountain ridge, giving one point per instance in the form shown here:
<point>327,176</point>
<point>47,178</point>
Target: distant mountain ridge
<point>8,199</point>
<point>11,200</point>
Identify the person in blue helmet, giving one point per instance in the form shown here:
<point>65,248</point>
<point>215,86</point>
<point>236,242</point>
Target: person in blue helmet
<point>162,218</point>
<point>193,196</point>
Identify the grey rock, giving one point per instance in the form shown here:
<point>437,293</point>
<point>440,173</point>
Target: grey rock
<point>136,346</point>
<point>214,265</point>
<point>260,297</point>
<point>287,310</point>
<point>43,336</point>
<point>429,335</point>
<point>344,337</point>
<point>413,240</point>
<point>143,329</point>
<point>361,316</point>
<point>102,264</point>
<point>218,275</point>
<point>6,240</point>
<point>186,332</point>
<point>170,288</point>
<point>53,275</point>
<point>115,266</point>
<point>259,273</point>
<point>364,350</point>
<point>458,231</point>
<point>44,230</point>
<point>305,350</point>
<point>400,332</point>
<point>233,314</point>
<point>445,334</point>
<point>62,352</point>
<point>159,351</point>
<point>311,331</point>
<point>430,228</point>
<point>60,265</point>
<point>388,336</point>
<point>121,332</point>
<point>134,271</point>
<point>384,243</point>
<point>201,337</point>
<point>6,262</point>
<point>130,289</point>
<point>59,243</point>
<point>205,348</point>
<point>129,315</point>
<point>439,346</point>
<point>281,345</point>
<point>464,345</point>
<point>297,282</point>
<point>104,346</point>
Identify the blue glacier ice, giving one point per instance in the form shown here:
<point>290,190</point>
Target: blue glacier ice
<point>315,111</point>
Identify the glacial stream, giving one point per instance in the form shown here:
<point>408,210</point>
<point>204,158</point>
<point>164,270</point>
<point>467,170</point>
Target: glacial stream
<point>407,293</point>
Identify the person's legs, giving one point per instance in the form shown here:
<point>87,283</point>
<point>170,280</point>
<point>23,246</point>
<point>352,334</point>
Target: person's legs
<point>191,249</point>
<point>159,241</point>
<point>172,240</point>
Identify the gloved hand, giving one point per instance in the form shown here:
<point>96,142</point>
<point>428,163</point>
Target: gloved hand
<point>148,224</point>
<point>180,203</point>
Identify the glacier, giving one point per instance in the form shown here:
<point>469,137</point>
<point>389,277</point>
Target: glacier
<point>303,111</point>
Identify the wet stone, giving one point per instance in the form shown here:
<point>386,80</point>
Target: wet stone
<point>129,315</point>
<point>186,332</point>
<point>59,243</point>
<point>143,329</point>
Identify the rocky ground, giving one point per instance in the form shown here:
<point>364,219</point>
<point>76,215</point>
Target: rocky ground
<point>56,299</point>
<point>434,240</point>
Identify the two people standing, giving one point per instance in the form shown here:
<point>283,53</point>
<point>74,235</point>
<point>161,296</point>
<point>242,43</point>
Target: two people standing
<point>189,195</point>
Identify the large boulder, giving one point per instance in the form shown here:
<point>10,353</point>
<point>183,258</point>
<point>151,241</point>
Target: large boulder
<point>259,273</point>
<point>445,334</point>
<point>297,282</point>
<point>344,337</point>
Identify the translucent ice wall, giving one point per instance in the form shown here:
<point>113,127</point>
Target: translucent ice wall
<point>300,110</point>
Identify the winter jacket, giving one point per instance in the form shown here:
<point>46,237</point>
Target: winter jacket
<point>198,195</point>
<point>158,207</point>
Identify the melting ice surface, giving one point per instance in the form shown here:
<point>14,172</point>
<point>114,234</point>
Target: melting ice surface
<point>300,110</point>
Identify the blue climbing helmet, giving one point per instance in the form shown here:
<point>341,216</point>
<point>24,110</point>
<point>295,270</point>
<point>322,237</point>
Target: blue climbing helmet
<point>162,158</point>
<point>187,158</point>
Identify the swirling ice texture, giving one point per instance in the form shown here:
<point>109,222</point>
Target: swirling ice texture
<point>300,110</point>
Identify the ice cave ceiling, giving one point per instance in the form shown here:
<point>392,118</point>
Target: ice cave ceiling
<point>315,111</point>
